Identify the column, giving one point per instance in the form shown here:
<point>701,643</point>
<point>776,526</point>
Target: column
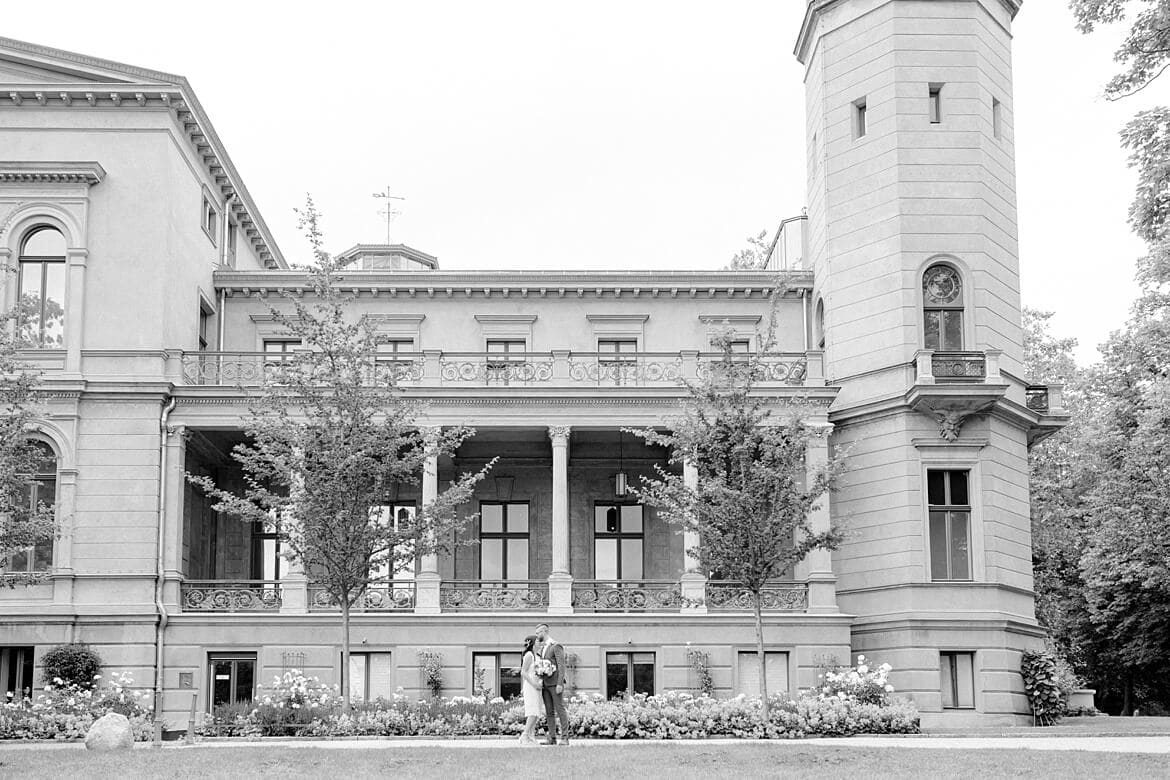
<point>693,582</point>
<point>172,519</point>
<point>294,586</point>
<point>75,308</point>
<point>427,582</point>
<point>560,582</point>
<point>822,582</point>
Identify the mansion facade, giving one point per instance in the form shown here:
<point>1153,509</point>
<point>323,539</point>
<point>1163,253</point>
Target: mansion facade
<point>898,335</point>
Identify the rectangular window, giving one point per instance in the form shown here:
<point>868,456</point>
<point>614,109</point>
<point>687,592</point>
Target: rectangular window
<point>950,524</point>
<point>617,350</point>
<point>205,318</point>
<point>401,514</point>
<point>370,676</point>
<point>957,680</point>
<point>501,349</point>
<point>388,348</point>
<point>943,329</point>
<point>776,666</point>
<point>40,490</point>
<point>629,674</point>
<point>267,561</point>
<point>996,118</point>
<point>41,309</point>
<point>503,541</point>
<point>618,541</point>
<point>935,103</point>
<point>496,674</point>
<point>231,678</point>
<point>16,673</point>
<point>860,119</point>
<point>210,219</point>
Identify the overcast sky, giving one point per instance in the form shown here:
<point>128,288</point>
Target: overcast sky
<point>647,134</point>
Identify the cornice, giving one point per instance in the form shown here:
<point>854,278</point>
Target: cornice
<point>25,172</point>
<point>681,284</point>
<point>141,88</point>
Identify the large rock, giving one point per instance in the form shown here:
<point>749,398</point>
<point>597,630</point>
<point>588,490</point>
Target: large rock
<point>110,732</point>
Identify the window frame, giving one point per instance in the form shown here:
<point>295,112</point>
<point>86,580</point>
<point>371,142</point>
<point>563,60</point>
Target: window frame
<point>364,693</point>
<point>18,663</point>
<point>36,484</point>
<point>953,679</point>
<point>787,654</point>
<point>505,536</point>
<point>956,307</point>
<point>235,657</point>
<point>616,355</point>
<point>619,536</point>
<point>948,509</point>
<point>404,574</point>
<point>860,114</point>
<point>500,666</point>
<point>934,104</point>
<point>209,219</point>
<point>996,118</point>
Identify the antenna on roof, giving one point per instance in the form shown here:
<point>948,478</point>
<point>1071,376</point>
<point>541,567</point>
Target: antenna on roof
<point>389,212</point>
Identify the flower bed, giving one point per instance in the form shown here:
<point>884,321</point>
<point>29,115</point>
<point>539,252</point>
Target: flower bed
<point>62,711</point>
<point>853,701</point>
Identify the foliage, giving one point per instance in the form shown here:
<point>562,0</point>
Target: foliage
<point>1145,51</point>
<point>66,711</point>
<point>755,491</point>
<point>754,257</point>
<point>431,665</point>
<point>21,524</point>
<point>699,663</point>
<point>1042,686</point>
<point>863,684</point>
<point>75,664</point>
<point>331,439</point>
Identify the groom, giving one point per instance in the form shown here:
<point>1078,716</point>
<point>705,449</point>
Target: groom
<point>554,686</point>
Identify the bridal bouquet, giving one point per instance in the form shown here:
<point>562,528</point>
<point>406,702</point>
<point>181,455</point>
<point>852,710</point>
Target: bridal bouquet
<point>544,667</point>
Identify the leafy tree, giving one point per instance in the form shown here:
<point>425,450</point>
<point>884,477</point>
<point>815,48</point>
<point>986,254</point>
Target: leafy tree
<point>22,524</point>
<point>754,497</point>
<point>1145,51</point>
<point>754,257</point>
<point>331,438</point>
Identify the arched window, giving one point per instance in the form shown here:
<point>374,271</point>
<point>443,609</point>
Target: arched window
<point>41,307</point>
<point>942,297</point>
<point>819,324</point>
<point>42,491</point>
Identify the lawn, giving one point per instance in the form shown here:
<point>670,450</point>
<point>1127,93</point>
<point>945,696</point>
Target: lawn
<point>644,760</point>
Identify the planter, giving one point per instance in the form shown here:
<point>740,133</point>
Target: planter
<point>1081,699</point>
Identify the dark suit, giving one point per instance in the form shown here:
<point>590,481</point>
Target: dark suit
<point>554,702</point>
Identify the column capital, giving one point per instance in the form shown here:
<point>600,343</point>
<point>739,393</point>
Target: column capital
<point>559,434</point>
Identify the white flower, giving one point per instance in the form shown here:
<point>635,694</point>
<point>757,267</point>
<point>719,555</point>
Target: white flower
<point>863,669</point>
<point>889,689</point>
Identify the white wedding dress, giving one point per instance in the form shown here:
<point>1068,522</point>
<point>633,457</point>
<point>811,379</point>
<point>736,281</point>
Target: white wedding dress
<point>530,687</point>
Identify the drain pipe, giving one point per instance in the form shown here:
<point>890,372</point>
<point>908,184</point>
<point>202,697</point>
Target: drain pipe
<point>161,626</point>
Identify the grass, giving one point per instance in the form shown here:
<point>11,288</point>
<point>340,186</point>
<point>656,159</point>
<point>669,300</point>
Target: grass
<point>645,760</point>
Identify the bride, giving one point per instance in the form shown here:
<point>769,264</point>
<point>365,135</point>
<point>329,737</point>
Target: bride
<point>530,686</point>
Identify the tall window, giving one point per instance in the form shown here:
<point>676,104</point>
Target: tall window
<point>618,541</point>
<point>629,673</point>
<point>42,490</point>
<point>233,677</point>
<point>503,541</point>
<point>935,103</point>
<point>950,525</point>
<point>957,680</point>
<point>267,561</point>
<point>496,673</point>
<point>16,673</point>
<point>41,307</point>
<point>617,350</point>
<point>370,676</point>
<point>401,515</point>
<point>860,119</point>
<point>209,219</point>
<point>942,295</point>
<point>205,318</point>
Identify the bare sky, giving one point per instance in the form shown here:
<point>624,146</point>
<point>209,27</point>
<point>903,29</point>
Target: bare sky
<point>648,134</point>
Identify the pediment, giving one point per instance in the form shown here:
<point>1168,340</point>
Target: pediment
<point>29,64</point>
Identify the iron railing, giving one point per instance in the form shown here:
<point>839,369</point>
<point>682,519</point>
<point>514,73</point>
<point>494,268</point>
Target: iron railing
<point>493,595</point>
<point>627,596</point>
<point>230,596</point>
<point>724,595</point>
<point>958,365</point>
<point>382,596</point>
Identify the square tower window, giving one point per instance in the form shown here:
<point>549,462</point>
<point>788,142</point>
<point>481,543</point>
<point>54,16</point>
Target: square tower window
<point>860,120</point>
<point>935,103</point>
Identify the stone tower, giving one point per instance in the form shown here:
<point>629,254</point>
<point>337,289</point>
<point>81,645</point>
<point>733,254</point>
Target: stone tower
<point>912,240</point>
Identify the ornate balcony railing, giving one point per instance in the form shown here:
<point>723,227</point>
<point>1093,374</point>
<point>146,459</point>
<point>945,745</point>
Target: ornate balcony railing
<point>389,596</point>
<point>531,369</point>
<point>489,595</point>
<point>627,596</point>
<point>1036,397</point>
<point>958,365</point>
<point>729,596</point>
<point>230,596</point>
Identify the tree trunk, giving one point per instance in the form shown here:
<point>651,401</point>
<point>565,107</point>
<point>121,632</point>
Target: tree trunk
<point>1127,696</point>
<point>762,657</point>
<point>345,692</point>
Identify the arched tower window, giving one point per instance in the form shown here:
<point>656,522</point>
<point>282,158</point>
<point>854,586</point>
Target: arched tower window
<point>41,308</point>
<point>42,490</point>
<point>942,299</point>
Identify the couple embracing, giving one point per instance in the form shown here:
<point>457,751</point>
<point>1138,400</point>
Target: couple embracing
<point>542,683</point>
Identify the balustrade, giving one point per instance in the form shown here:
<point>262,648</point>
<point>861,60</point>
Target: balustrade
<point>958,365</point>
<point>233,596</point>
<point>723,595</point>
<point>1036,397</point>
<point>493,595</point>
<point>628,596</point>
<point>389,596</point>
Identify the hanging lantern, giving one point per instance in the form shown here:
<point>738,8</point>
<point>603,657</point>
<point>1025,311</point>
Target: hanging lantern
<point>621,483</point>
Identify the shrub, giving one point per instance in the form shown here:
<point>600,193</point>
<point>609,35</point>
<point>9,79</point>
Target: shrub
<point>863,684</point>
<point>74,664</point>
<point>66,711</point>
<point>1042,685</point>
<point>431,664</point>
<point>699,663</point>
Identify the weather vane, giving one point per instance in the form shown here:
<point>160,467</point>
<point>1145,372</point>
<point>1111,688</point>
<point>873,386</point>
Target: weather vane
<point>389,212</point>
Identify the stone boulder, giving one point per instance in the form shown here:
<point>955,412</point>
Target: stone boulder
<point>110,732</point>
